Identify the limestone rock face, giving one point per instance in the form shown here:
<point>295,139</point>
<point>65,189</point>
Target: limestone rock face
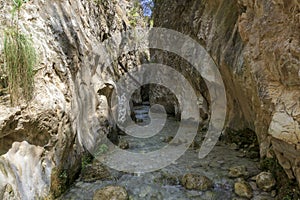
<point>69,109</point>
<point>256,47</point>
<point>21,169</point>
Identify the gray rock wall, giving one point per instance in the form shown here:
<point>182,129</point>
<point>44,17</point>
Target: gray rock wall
<point>256,47</point>
<point>68,113</point>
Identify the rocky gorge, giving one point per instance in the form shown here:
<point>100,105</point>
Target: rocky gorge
<point>45,143</point>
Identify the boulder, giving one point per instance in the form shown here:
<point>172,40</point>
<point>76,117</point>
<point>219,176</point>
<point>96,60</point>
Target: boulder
<point>238,171</point>
<point>265,181</point>
<point>111,193</point>
<point>243,189</point>
<point>196,182</point>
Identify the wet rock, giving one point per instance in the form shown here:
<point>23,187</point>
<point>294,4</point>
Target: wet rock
<point>238,171</point>
<point>265,181</point>
<point>95,171</point>
<point>156,195</point>
<point>145,191</point>
<point>167,179</point>
<point>111,193</point>
<point>243,189</point>
<point>209,195</point>
<point>196,182</point>
<point>123,144</point>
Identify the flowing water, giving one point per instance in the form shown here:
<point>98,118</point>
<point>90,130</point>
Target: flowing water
<point>165,183</point>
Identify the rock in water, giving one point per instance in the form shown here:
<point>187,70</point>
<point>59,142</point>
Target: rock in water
<point>265,181</point>
<point>238,171</point>
<point>123,144</point>
<point>243,189</point>
<point>111,193</point>
<point>196,182</point>
<point>94,172</point>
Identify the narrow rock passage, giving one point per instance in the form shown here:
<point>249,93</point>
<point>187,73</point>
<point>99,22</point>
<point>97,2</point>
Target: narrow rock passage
<point>84,50</point>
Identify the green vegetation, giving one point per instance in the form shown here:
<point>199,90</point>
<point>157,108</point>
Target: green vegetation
<point>59,181</point>
<point>20,58</point>
<point>63,175</point>
<point>101,150</point>
<point>270,164</point>
<point>134,14</point>
<point>3,77</point>
<point>86,159</point>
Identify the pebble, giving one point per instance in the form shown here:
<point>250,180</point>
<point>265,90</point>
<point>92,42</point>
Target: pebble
<point>196,182</point>
<point>273,193</point>
<point>123,144</point>
<point>243,189</point>
<point>111,192</point>
<point>238,171</point>
<point>265,181</point>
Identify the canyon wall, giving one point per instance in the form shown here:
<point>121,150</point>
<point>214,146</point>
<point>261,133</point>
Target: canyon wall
<point>42,142</point>
<point>254,43</point>
<point>256,47</point>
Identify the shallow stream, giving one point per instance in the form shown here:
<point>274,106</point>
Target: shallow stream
<point>165,184</point>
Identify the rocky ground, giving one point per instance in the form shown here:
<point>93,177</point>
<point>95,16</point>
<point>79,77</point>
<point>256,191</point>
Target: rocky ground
<point>224,174</point>
<point>228,172</point>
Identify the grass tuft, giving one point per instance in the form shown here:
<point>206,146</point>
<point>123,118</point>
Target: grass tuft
<point>20,58</point>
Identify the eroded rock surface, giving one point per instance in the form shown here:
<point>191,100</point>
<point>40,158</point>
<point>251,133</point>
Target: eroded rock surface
<point>68,109</point>
<point>256,47</point>
<point>254,43</point>
<point>23,168</point>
